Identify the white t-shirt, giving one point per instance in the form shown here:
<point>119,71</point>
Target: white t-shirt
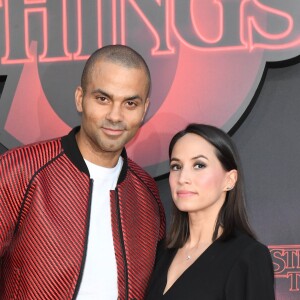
<point>99,279</point>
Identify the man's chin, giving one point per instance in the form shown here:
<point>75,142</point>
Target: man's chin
<point>113,147</point>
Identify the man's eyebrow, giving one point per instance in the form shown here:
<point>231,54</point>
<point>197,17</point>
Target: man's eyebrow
<point>134,97</point>
<point>106,94</point>
<point>99,91</point>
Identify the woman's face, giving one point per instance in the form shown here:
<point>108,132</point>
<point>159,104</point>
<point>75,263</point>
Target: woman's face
<point>197,179</point>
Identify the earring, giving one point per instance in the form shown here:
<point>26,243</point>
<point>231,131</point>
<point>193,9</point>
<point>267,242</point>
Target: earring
<point>229,188</point>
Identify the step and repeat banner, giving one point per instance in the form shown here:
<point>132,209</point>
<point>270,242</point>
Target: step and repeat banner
<point>208,61</point>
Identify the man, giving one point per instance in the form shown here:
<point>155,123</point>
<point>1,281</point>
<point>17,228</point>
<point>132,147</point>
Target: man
<point>78,219</point>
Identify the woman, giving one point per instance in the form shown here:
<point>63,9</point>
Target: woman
<point>211,251</point>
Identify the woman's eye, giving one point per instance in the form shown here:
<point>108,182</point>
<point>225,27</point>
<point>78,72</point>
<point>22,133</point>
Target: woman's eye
<point>174,167</point>
<point>199,166</point>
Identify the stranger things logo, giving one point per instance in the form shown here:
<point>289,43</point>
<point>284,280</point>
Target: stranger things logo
<point>206,59</point>
<point>286,262</point>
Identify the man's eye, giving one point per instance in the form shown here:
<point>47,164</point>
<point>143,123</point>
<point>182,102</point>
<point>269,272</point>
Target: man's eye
<point>101,98</point>
<point>174,167</point>
<point>131,104</point>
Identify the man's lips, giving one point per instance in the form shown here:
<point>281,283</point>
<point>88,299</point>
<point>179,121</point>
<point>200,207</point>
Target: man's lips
<point>112,131</point>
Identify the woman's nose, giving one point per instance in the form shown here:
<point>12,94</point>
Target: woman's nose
<point>184,176</point>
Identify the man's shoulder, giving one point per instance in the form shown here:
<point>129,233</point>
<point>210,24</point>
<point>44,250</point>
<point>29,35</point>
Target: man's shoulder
<point>47,148</point>
<point>142,177</point>
<point>138,170</point>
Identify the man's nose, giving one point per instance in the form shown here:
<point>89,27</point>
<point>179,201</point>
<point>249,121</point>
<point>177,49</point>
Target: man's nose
<point>115,114</point>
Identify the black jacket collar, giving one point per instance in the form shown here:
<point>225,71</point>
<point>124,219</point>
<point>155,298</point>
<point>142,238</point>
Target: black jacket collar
<point>71,149</point>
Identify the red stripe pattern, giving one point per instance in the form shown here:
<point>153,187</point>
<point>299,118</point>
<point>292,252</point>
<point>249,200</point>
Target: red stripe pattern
<point>44,209</point>
<point>42,259</point>
<point>143,225</point>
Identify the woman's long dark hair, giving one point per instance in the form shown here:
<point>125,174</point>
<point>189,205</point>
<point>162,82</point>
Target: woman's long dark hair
<point>232,214</point>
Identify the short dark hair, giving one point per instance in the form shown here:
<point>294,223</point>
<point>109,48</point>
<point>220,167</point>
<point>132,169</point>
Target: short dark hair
<point>119,54</point>
<point>233,214</point>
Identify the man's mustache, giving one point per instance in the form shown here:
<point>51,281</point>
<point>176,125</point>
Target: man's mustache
<point>114,126</point>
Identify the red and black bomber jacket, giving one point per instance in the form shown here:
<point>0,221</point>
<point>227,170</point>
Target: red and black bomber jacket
<point>45,200</point>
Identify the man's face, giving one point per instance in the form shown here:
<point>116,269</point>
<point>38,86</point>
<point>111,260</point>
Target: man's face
<point>113,107</point>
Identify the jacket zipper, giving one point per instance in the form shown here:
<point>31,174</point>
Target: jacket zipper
<point>86,242</point>
<point>122,244</point>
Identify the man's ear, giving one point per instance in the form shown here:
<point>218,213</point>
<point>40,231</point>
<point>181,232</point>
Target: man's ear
<point>147,102</point>
<point>78,98</point>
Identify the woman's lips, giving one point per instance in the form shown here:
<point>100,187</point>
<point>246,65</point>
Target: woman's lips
<point>184,193</point>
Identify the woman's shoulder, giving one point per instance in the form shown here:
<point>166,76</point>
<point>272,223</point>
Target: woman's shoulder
<point>248,247</point>
<point>251,270</point>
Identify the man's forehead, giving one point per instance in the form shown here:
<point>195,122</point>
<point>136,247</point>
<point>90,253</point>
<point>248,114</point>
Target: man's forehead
<point>102,67</point>
<point>106,62</point>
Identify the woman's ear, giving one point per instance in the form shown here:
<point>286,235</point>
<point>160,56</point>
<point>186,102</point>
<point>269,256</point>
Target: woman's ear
<point>231,179</point>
